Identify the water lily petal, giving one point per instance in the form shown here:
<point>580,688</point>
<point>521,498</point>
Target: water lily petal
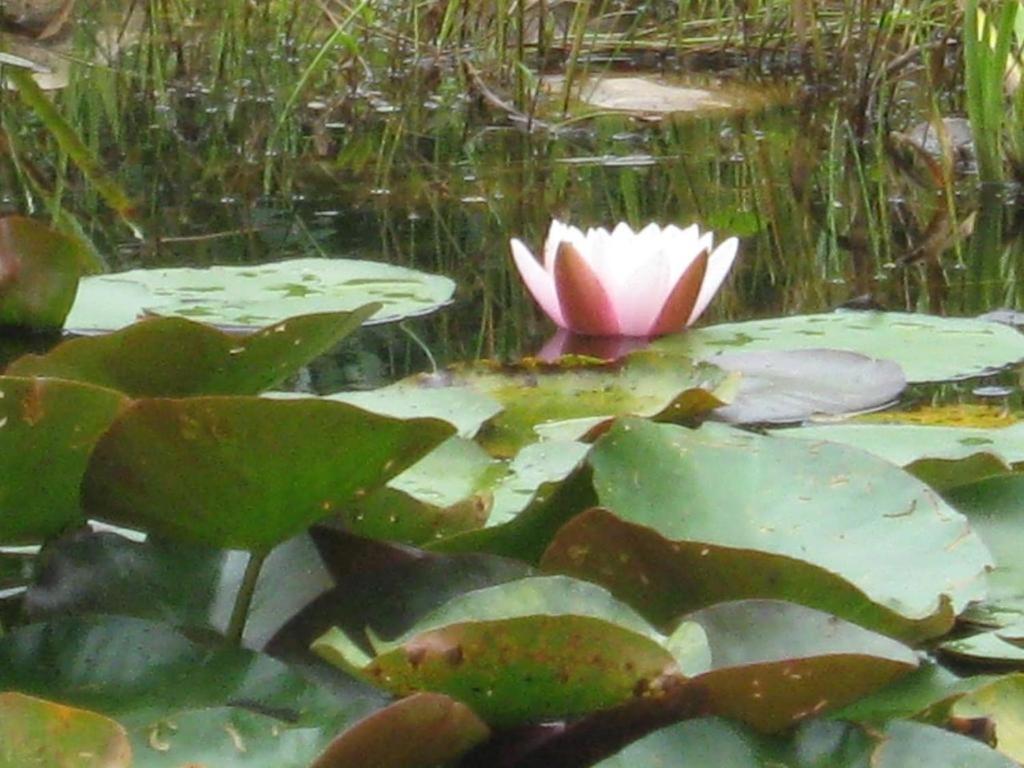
<point>718,267</point>
<point>585,304</point>
<point>557,233</point>
<point>678,307</point>
<point>540,282</point>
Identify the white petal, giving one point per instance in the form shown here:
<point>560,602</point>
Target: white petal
<point>540,282</point>
<point>719,263</point>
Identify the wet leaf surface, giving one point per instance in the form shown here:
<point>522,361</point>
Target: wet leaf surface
<point>425,729</point>
<point>39,270</point>
<point>175,357</point>
<point>256,296</point>
<point>779,387</point>
<point>1000,702</point>
<point>34,732</point>
<point>968,347</point>
<point>245,491</point>
<point>48,428</point>
<point>811,507</point>
<point>523,651</point>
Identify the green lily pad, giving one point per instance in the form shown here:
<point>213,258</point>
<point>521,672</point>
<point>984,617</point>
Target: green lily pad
<point>774,663</point>
<point>37,732</point>
<point>459,487</point>
<point>783,386</point>
<point>258,470</point>
<point>927,348</point>
<point>984,648</point>
<point>39,271</point>
<point>536,395</point>
<point>175,357</point>
<point>532,649</point>
<point>994,509</point>
<point>712,743</point>
<point>1002,703</point>
<point>423,729</point>
<point>258,295</point>
<point>48,428</point>
<point>823,512</point>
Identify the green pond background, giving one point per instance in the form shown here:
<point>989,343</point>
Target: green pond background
<point>252,135</point>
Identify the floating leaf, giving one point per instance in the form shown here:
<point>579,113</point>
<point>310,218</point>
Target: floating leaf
<point>532,649</point>
<point>994,509</point>
<point>424,729</point>
<point>714,743</point>
<point>537,395</point>
<point>48,428</point>
<point>928,348</point>
<point>774,663</point>
<point>39,270</point>
<point>258,470</point>
<point>779,386</point>
<point>1002,703</point>
<point>984,648</point>
<point>34,732</point>
<point>810,514</point>
<point>256,296</point>
<point>175,357</point>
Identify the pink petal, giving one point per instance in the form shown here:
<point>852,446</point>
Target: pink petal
<point>584,302</point>
<point>539,282</point>
<point>718,267</point>
<point>676,311</point>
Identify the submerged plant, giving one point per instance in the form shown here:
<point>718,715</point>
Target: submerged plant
<point>625,283</point>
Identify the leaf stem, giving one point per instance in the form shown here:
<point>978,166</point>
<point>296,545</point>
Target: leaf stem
<point>243,600</point>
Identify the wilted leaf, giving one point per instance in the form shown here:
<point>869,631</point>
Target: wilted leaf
<point>34,732</point>
<point>423,730</point>
<point>786,386</point>
<point>527,650</point>
<point>258,470</point>
<point>175,357</point>
<point>813,507</point>
<point>48,428</point>
<point>928,348</point>
<point>256,296</point>
<point>39,271</point>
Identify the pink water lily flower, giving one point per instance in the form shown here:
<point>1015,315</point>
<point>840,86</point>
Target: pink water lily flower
<point>625,283</point>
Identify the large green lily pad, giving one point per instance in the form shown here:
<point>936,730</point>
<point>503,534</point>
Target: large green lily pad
<point>927,348</point>
<point>39,271</point>
<point>48,428</point>
<point>35,732</point>
<point>175,357</point>
<point>810,514</point>
<point>245,472</point>
<point>532,649</point>
<point>258,295</point>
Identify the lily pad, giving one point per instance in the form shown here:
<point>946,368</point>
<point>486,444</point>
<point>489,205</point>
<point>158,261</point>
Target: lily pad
<point>258,470</point>
<point>1002,703</point>
<point>39,271</point>
<point>423,729</point>
<point>774,663</point>
<point>927,348</point>
<point>48,428</point>
<point>175,357</point>
<point>994,509</point>
<point>779,387</point>
<point>37,732</point>
<point>256,296</point>
<point>537,395</point>
<point>532,649</point>
<point>712,743</point>
<point>823,512</point>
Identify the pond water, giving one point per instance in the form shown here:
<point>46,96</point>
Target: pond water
<point>411,160</point>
